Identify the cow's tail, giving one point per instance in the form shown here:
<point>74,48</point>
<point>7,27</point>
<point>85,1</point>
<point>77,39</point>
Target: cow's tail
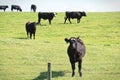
<point>65,17</point>
<point>37,23</point>
<point>38,19</point>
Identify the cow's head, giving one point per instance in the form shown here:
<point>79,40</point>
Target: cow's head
<point>20,9</point>
<point>84,14</point>
<point>73,41</point>
<point>54,14</point>
<point>6,6</point>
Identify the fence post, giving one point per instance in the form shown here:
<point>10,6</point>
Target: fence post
<point>49,71</point>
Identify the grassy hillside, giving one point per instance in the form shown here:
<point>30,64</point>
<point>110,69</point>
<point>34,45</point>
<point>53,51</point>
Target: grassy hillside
<point>25,59</point>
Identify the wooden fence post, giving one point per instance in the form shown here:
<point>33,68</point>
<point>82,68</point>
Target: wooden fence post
<point>49,72</point>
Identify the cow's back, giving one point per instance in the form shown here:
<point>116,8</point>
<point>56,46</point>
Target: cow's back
<point>73,14</point>
<point>46,15</point>
<point>68,14</point>
<point>16,7</point>
<point>31,27</point>
<point>3,7</point>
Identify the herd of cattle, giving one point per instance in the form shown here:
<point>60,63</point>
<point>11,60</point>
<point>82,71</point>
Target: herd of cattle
<point>76,50</point>
<point>31,26</point>
<point>17,7</point>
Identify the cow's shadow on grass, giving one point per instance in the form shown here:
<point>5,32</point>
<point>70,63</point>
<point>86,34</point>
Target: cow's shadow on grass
<point>41,25</point>
<point>22,38</point>
<point>43,75</point>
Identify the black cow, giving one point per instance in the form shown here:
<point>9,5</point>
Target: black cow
<point>45,16</point>
<point>30,29</point>
<point>16,7</point>
<point>76,52</point>
<point>77,15</point>
<point>33,7</point>
<point>3,7</point>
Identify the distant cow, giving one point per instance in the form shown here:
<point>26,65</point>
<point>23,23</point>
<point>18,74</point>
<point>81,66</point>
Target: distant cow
<point>45,16</point>
<point>30,29</point>
<point>16,7</point>
<point>77,15</point>
<point>33,7</point>
<point>76,52</point>
<point>3,7</point>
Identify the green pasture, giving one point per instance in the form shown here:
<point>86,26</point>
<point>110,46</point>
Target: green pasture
<point>26,59</point>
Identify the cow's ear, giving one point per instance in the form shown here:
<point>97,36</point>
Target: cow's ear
<point>67,40</point>
<point>78,37</point>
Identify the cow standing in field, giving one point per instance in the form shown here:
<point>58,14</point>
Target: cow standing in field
<point>33,7</point>
<point>30,29</point>
<point>16,7</point>
<point>73,15</point>
<point>76,52</point>
<point>45,16</point>
<point>3,7</point>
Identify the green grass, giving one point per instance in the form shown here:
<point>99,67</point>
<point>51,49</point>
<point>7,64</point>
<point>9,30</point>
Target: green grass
<point>25,59</point>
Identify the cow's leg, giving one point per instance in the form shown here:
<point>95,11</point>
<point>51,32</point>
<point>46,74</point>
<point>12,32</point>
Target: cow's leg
<point>73,69</point>
<point>80,66</point>
<point>34,35</point>
<point>30,35</point>
<point>69,21</point>
<point>78,20</point>
<point>39,19</point>
<point>27,34</point>
<point>34,10</point>
<point>4,10</point>
<point>11,9</point>
<point>65,20</point>
<point>72,65</point>
<point>49,21</point>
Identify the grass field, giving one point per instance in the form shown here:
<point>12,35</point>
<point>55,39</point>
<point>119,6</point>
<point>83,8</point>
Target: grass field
<point>26,59</point>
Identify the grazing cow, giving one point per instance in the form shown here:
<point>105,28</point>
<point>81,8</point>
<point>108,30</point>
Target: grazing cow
<point>77,15</point>
<point>33,7</point>
<point>30,29</point>
<point>76,52</point>
<point>16,7</point>
<point>45,15</point>
<point>3,7</point>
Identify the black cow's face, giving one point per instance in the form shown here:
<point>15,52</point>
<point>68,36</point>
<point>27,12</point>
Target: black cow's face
<point>6,6</point>
<point>20,9</point>
<point>72,40</point>
<point>83,13</point>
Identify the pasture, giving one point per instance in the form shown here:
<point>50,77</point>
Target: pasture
<point>26,59</point>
